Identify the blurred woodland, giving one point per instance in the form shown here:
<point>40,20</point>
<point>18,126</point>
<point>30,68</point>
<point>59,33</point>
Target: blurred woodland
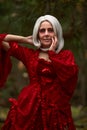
<point>18,17</point>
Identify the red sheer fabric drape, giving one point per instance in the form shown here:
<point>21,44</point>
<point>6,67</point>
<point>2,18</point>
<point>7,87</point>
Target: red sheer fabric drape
<point>5,63</point>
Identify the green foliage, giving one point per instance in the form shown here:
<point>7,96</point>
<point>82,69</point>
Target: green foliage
<point>80,117</point>
<point>19,16</point>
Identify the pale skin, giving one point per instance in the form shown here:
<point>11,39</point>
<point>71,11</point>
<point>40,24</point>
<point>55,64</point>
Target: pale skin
<point>46,35</point>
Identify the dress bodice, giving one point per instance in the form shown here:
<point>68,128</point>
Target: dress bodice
<point>45,72</point>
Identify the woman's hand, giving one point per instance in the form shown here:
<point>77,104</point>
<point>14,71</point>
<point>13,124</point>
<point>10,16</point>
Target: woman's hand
<point>29,40</point>
<point>54,43</point>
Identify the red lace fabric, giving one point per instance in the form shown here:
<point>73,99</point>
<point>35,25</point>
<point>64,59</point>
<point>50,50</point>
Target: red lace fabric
<point>5,63</point>
<point>44,104</point>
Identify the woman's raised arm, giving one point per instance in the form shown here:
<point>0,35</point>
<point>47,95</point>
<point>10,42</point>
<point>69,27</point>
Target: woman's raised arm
<point>19,39</point>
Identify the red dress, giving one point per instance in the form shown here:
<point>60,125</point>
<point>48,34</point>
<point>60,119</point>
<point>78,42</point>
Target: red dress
<point>44,104</point>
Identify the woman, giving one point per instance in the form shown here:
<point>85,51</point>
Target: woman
<point>44,104</point>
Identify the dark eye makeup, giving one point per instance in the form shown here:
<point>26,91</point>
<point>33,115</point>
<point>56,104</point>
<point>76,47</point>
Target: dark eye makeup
<point>42,30</point>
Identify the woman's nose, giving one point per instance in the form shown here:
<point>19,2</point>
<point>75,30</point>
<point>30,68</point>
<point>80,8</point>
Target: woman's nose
<point>46,32</point>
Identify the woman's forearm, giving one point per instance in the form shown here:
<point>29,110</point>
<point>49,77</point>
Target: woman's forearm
<point>19,39</point>
<point>10,37</point>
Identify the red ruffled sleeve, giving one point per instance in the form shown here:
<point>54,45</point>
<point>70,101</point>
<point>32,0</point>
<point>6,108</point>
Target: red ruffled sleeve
<point>66,70</point>
<point>5,63</point>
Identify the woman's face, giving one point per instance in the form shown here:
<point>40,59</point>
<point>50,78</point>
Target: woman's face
<point>46,33</point>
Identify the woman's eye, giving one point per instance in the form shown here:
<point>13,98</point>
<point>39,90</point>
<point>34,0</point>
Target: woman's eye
<point>43,30</point>
<point>50,30</point>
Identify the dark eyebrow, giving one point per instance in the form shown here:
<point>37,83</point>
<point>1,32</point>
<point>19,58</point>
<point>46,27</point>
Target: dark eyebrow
<point>42,30</point>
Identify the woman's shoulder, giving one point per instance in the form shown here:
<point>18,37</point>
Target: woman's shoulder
<point>63,54</point>
<point>16,46</point>
<point>67,56</point>
<point>66,53</point>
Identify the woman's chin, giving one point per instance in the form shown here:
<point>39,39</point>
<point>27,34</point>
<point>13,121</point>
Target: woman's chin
<point>46,46</point>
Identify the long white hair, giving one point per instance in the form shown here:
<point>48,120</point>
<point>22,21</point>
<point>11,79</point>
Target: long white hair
<point>56,27</point>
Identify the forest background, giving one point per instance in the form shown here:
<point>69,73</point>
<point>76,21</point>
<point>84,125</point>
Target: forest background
<point>18,17</point>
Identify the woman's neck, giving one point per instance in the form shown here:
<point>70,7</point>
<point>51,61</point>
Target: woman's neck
<point>44,55</point>
<point>44,49</point>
